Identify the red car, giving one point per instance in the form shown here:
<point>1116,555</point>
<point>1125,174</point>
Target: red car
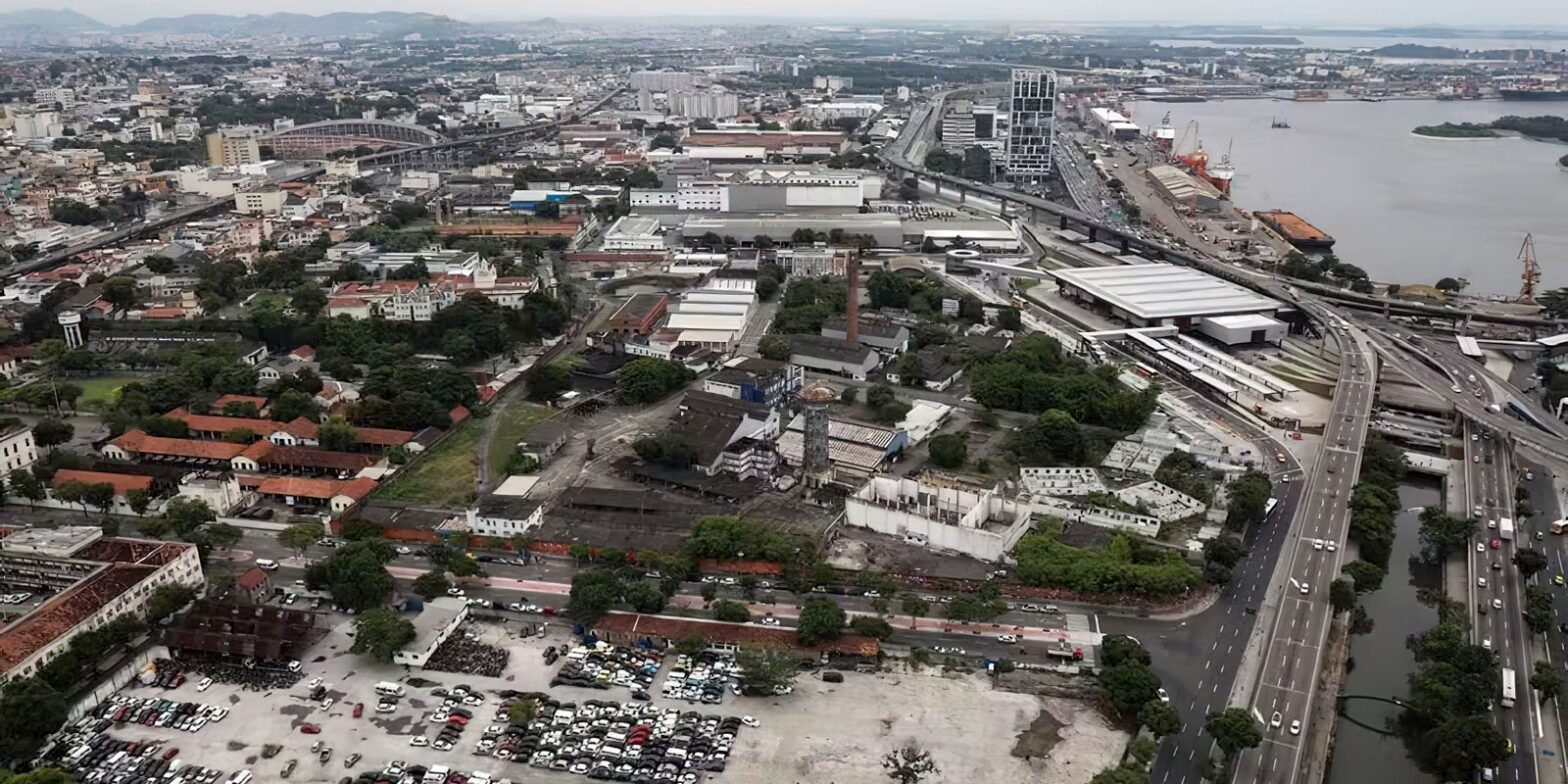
<point>1496,543</point>
<point>310,729</point>
<point>458,720</point>
<point>359,709</point>
<point>171,753</point>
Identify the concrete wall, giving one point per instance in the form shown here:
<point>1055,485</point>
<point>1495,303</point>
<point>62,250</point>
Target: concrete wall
<point>1094,515</point>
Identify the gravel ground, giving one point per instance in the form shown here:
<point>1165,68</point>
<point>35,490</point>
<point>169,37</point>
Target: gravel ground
<point>837,733</point>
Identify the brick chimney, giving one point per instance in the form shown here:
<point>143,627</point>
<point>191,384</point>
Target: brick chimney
<point>852,307</point>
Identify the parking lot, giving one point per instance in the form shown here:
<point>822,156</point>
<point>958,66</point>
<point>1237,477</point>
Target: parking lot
<point>821,732</point>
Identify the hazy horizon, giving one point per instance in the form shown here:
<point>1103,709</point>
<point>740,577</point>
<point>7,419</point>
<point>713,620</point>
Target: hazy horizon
<point>1532,14</point>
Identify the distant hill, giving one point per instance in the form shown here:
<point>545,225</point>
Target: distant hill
<point>48,20</point>
<point>384,23</point>
<point>1419,52</point>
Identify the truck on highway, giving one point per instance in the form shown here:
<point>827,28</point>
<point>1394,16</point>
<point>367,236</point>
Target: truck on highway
<point>1505,528</point>
<point>1510,688</point>
<point>1557,526</point>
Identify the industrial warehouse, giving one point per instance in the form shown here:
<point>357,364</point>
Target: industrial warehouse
<point>1157,295</point>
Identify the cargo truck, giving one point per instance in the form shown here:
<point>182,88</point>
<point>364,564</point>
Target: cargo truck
<point>1505,528</point>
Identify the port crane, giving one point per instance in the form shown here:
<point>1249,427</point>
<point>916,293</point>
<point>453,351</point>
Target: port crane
<point>1530,278</point>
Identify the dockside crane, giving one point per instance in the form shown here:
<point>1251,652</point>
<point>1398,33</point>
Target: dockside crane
<point>1530,278</point>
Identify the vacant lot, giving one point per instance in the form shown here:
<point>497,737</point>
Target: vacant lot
<point>840,732</point>
<point>514,423</point>
<point>442,478</point>
<point>97,392</point>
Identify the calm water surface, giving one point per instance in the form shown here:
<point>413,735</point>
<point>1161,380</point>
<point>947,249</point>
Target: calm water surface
<point>1405,208</point>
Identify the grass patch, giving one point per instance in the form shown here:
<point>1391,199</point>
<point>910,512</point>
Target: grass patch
<point>98,392</point>
<point>444,477</point>
<point>516,420</point>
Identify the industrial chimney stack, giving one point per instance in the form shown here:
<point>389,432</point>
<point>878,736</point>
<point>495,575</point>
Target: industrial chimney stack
<point>852,308</point>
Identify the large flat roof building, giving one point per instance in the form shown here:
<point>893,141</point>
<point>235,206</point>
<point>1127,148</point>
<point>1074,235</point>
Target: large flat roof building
<point>1151,295</point>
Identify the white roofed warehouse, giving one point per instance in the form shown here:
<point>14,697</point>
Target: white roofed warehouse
<point>1161,295</point>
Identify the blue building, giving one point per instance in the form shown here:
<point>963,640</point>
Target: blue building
<point>529,201</point>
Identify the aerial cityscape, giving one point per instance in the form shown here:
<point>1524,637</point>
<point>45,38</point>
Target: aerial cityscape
<point>813,395</point>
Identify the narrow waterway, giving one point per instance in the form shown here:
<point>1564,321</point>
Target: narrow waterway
<point>1382,662</point>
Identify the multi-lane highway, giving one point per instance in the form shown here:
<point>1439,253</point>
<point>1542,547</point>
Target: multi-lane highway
<point>1311,560</point>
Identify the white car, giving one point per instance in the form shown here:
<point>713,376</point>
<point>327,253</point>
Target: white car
<point>418,740</point>
<point>1295,727</point>
<point>405,551</point>
<point>1164,695</point>
<point>1497,604</point>
<point>1487,643</point>
<point>1007,638</point>
<point>1305,589</point>
<point>1491,523</point>
<point>314,682</point>
<point>206,683</point>
<point>750,722</point>
<point>455,591</point>
<point>1480,547</point>
<point>1480,582</point>
<point>1276,720</point>
<point>1317,544</point>
<point>769,621</point>
<point>328,703</point>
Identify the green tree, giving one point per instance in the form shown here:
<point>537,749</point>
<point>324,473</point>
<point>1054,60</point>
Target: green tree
<point>166,600</point>
<point>774,347</point>
<point>820,619</point>
<point>730,612</point>
<point>593,594</point>
<point>647,379</point>
<point>239,435</point>
<point>1537,608</point>
<point>1529,561</point>
<point>523,711</point>
<point>292,405</point>
<point>1124,774</point>
<point>355,575</point>
<point>337,434</point>
<point>1342,595</point>
<point>23,484</point>
<point>765,669</point>
<point>1128,686</point>
<point>1182,471</point>
<point>1368,577</point>
<point>1546,680</point>
<point>692,644</point>
<point>99,495</point>
<point>709,592</point>
<point>548,381</point>
<point>185,516</point>
<point>299,538</point>
<point>871,627</point>
<point>37,776</point>
<point>30,711</point>
<point>1443,534</point>
<point>138,500</point>
<point>949,450</point>
<point>916,608</point>
<point>1459,747</point>
<point>381,633</point>
<point>432,584</point>
<point>1116,649</point>
<point>50,432</point>
<point>879,396</point>
<point>1160,718</point>
<point>1234,730</point>
<point>1247,496</point>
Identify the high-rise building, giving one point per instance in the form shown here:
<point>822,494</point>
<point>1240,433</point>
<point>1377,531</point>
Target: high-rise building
<point>234,146</point>
<point>31,123</point>
<point>49,96</point>
<point>662,81</point>
<point>958,126</point>
<point>711,105</point>
<point>1032,124</point>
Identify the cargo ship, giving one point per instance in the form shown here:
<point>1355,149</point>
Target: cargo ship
<point>1534,93</point>
<point>1294,230</point>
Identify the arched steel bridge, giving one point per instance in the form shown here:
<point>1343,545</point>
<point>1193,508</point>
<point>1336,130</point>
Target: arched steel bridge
<point>318,139</point>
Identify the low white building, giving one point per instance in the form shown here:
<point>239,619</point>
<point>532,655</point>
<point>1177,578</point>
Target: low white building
<point>504,516</point>
<point>632,234</point>
<point>435,623</point>
<point>971,520</point>
<point>17,450</point>
<point>1080,512</point>
<point>1161,501</point>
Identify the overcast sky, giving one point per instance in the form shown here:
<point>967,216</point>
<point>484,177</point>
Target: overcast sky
<point>1534,13</point>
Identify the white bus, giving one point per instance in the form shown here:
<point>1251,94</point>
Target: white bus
<point>1510,689</point>
<point>1268,508</point>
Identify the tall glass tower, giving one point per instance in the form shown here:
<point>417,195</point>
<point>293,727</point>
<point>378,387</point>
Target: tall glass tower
<point>1032,124</point>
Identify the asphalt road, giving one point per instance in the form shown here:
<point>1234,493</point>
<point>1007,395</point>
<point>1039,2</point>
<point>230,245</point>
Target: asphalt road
<point>1294,646</point>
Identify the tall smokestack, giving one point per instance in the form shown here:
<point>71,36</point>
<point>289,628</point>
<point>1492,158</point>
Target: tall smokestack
<point>852,308</point>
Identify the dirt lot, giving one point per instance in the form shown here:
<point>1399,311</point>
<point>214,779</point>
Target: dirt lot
<point>822,733</point>
<point>838,733</point>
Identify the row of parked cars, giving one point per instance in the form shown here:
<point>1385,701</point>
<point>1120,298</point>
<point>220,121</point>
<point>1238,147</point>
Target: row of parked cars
<point>154,712</point>
<point>702,678</point>
<point>635,742</point>
<point>602,665</point>
<point>15,598</point>
<point>95,757</point>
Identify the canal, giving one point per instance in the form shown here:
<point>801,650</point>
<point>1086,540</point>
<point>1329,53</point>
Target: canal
<point>1382,662</point>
